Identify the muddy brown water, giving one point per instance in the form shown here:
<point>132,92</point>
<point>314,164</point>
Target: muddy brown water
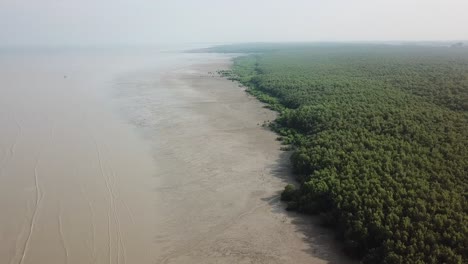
<point>141,158</point>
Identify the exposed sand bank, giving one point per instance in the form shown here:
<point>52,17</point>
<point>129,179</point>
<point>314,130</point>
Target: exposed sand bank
<point>220,173</point>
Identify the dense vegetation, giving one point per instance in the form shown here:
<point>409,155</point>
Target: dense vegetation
<point>380,142</point>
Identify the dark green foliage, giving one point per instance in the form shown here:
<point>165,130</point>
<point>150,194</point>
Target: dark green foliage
<point>380,138</point>
<point>288,193</point>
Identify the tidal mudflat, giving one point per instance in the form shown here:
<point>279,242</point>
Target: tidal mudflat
<point>142,159</point>
<point>219,173</point>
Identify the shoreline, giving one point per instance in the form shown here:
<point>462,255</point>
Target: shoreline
<point>227,175</point>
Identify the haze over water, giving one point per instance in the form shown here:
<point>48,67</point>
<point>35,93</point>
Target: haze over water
<point>75,178</point>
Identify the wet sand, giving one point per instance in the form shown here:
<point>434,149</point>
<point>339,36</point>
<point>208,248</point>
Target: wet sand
<point>220,174</point>
<point>166,165</point>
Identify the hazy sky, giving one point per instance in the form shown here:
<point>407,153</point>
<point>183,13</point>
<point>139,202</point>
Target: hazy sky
<point>86,22</point>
